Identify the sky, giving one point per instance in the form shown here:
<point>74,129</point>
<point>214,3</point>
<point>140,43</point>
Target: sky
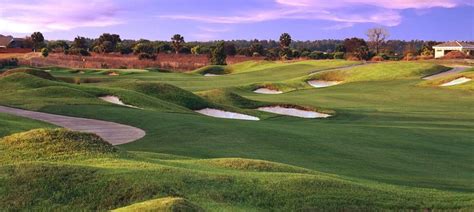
<point>203,20</point>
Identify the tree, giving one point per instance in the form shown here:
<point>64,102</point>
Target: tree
<point>107,43</point>
<point>353,44</point>
<point>377,37</point>
<point>257,47</point>
<point>362,53</point>
<point>80,43</point>
<point>218,55</point>
<point>285,40</point>
<point>230,49</point>
<point>38,40</point>
<point>177,41</point>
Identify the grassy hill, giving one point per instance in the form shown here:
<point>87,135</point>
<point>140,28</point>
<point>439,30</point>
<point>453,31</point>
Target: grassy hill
<point>392,144</point>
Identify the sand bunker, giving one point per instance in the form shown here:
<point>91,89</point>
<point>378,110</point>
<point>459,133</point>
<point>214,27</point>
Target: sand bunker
<point>323,84</point>
<point>211,75</point>
<point>115,100</point>
<point>113,74</point>
<point>457,81</point>
<point>294,112</point>
<point>267,91</point>
<point>226,115</point>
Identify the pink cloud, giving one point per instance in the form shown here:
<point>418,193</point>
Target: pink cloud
<point>383,12</point>
<point>48,15</point>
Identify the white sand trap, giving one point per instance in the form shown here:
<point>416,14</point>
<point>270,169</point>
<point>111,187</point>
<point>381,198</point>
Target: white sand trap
<point>114,74</point>
<point>226,115</point>
<point>457,81</point>
<point>116,100</point>
<point>323,84</point>
<point>267,91</point>
<point>211,75</point>
<point>294,112</point>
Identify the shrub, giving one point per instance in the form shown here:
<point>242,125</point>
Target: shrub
<point>317,55</point>
<point>377,58</point>
<point>146,56</point>
<point>146,48</point>
<point>45,52</point>
<point>339,55</point>
<point>79,51</point>
<point>8,62</point>
<point>455,55</point>
<point>305,53</point>
<point>218,55</point>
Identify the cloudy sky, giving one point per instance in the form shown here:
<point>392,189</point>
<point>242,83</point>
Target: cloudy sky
<point>239,19</point>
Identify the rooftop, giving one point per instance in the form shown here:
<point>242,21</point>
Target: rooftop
<point>456,44</point>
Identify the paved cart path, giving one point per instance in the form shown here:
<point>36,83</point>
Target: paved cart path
<point>454,70</point>
<point>111,132</point>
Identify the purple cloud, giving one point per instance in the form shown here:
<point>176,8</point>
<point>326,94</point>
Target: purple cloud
<point>21,16</point>
<point>383,12</point>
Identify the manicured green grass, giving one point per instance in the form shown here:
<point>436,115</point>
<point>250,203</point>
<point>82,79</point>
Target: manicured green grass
<point>381,71</point>
<point>105,178</point>
<point>391,145</point>
<point>469,73</point>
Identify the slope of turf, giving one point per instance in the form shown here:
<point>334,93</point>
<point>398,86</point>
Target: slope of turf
<point>381,71</point>
<point>393,145</point>
<point>166,204</point>
<point>108,181</point>
<point>469,73</point>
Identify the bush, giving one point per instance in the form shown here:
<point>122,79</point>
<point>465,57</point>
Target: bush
<point>218,54</point>
<point>45,52</point>
<point>339,55</point>
<point>455,55</point>
<point>317,55</point>
<point>377,59</point>
<point>146,56</point>
<point>305,54</point>
<point>78,51</point>
<point>146,48</point>
<point>8,62</point>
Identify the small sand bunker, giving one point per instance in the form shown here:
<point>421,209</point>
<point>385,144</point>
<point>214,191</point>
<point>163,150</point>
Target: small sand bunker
<point>323,84</point>
<point>294,112</point>
<point>226,115</point>
<point>113,74</point>
<point>457,81</point>
<point>267,91</point>
<point>211,75</point>
<point>115,100</point>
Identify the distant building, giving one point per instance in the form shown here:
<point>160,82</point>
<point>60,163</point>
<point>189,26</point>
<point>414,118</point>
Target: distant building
<point>4,41</point>
<point>16,43</point>
<point>11,42</point>
<point>444,48</point>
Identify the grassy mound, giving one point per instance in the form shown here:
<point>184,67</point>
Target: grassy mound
<point>167,204</point>
<point>214,69</point>
<point>168,93</point>
<point>253,165</point>
<point>380,71</point>
<point>225,97</point>
<point>31,71</point>
<point>53,144</point>
<point>465,86</point>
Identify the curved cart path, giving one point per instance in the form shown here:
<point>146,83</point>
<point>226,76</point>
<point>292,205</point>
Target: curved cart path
<point>111,132</point>
<point>454,70</point>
